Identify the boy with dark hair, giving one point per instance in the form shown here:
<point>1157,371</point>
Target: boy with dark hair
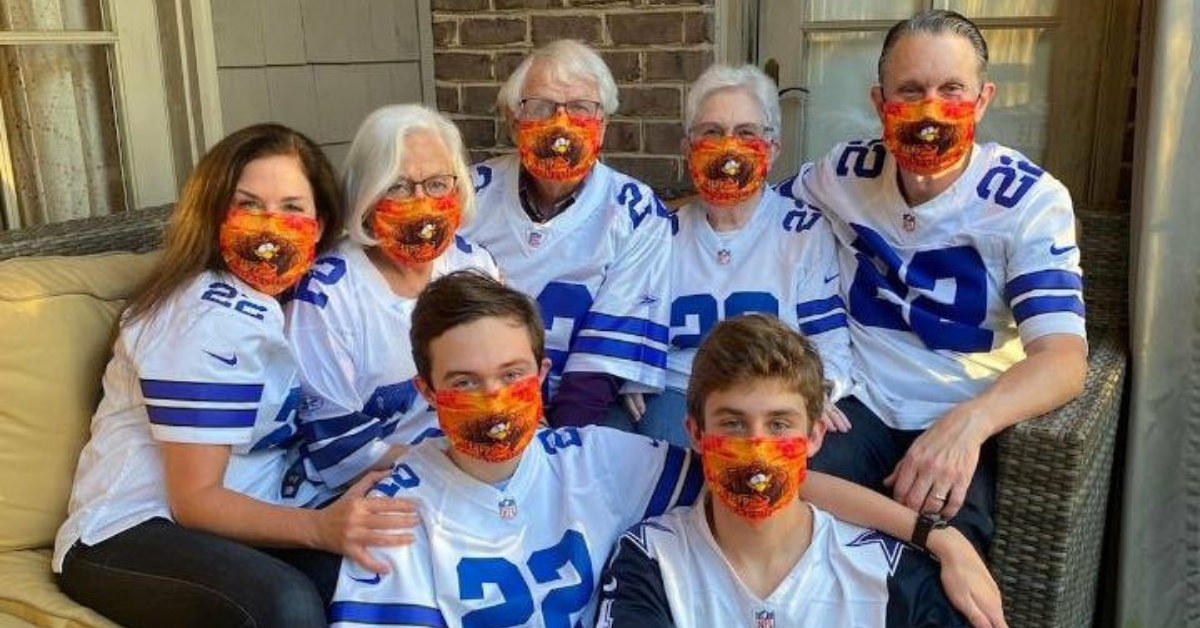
<point>754,553</point>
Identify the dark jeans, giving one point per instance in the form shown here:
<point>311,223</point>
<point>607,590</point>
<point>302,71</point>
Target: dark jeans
<point>871,450</point>
<point>161,574</point>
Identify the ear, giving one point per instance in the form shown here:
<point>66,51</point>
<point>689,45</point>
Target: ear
<point>816,437</point>
<point>426,391</point>
<point>694,431</point>
<point>510,121</point>
<point>544,372</point>
<point>877,100</point>
<point>985,97</point>
<point>603,128</point>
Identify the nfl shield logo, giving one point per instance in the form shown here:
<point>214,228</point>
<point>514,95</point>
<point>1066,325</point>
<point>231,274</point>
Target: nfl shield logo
<point>535,238</point>
<point>724,257</point>
<point>764,619</point>
<point>508,508</point>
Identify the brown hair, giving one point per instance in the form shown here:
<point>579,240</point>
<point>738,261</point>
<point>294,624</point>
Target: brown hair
<point>755,347</point>
<point>936,22</point>
<point>463,297</point>
<point>191,240</point>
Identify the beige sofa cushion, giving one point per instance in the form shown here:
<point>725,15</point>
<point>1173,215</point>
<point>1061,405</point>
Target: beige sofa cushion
<point>57,322</point>
<point>30,595</point>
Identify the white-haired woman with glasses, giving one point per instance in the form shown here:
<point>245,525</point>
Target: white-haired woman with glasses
<point>742,247</point>
<point>408,189</point>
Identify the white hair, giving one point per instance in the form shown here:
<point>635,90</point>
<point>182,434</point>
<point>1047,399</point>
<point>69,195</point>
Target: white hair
<point>719,76</point>
<point>373,163</point>
<point>569,61</point>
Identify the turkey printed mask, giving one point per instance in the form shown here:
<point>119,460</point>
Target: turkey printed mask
<point>268,251</point>
<point>754,477</point>
<point>560,148</point>
<point>418,229</point>
<point>729,170</point>
<point>928,137</point>
<point>491,427</point>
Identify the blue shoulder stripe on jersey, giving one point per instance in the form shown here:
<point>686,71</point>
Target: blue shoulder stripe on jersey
<point>668,480</point>
<point>315,431</point>
<point>611,348</point>
<point>1033,306</point>
<point>631,325</point>
<point>201,391</point>
<point>200,417</point>
<point>394,614</point>
<point>822,325</point>
<point>332,453</point>
<point>1043,280</point>
<point>806,309</point>
<point>692,482</point>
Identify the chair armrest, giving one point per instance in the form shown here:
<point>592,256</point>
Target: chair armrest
<point>135,231</point>
<point>1052,488</point>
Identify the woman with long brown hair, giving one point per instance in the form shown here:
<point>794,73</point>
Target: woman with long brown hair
<point>188,469</point>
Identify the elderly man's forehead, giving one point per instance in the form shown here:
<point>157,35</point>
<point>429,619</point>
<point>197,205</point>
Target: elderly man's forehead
<point>915,51</point>
<point>546,73</point>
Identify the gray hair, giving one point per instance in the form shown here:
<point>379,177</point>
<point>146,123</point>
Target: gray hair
<point>373,163</point>
<point>936,22</point>
<point>567,60</point>
<point>719,76</point>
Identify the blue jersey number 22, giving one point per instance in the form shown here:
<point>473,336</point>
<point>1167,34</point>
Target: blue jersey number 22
<point>518,604</point>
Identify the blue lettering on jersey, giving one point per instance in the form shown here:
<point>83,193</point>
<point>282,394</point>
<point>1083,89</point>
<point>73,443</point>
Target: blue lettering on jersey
<point>283,435</point>
<point>707,312</point>
<point>630,196</point>
<point>485,177</point>
<point>545,565</point>
<point>563,305</point>
<point>784,188</point>
<point>224,295</point>
<point>1004,194</point>
<point>462,244</point>
<point>554,440</point>
<point>391,400</point>
<point>802,218</point>
<point>402,477</point>
<point>326,271</point>
<point>864,159</point>
<point>892,294</point>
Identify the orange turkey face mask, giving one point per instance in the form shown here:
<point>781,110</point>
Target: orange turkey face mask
<point>754,477</point>
<point>928,137</point>
<point>268,251</point>
<point>418,229</point>
<point>729,170</point>
<point>560,148</point>
<point>491,427</point>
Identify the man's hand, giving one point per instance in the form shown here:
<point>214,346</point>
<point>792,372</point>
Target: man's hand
<point>355,522</point>
<point>966,580</point>
<point>935,473</point>
<point>635,405</point>
<point>834,419</point>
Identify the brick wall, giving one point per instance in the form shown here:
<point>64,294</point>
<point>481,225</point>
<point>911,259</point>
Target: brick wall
<point>653,47</point>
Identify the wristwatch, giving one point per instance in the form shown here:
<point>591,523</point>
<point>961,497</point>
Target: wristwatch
<point>925,524</point>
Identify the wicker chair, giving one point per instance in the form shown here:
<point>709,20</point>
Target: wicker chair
<point>1054,471</point>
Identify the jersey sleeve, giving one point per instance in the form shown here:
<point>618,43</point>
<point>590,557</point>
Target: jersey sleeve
<point>646,477</point>
<point>625,331</point>
<point>339,439</point>
<point>202,374</point>
<point>1044,281</point>
<point>632,593</point>
<point>820,310</point>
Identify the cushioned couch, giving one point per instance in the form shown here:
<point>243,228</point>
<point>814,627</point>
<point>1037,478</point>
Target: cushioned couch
<point>57,315</point>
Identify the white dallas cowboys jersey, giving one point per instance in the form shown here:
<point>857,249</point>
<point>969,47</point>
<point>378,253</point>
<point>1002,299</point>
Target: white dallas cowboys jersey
<point>669,572</point>
<point>942,296</point>
<point>599,270</point>
<point>350,335</point>
<point>527,554</point>
<point>782,262</point>
<point>210,366</point>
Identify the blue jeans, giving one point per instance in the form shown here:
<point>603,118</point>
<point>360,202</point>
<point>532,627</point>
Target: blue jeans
<point>159,573</point>
<point>664,418</point>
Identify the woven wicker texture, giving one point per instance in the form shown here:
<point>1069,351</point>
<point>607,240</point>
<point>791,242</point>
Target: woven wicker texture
<point>1054,471</point>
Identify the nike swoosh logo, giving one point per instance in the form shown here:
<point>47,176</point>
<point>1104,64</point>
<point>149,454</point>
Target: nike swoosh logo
<point>1054,250</point>
<point>611,585</point>
<point>376,580</point>
<point>831,278</point>
<point>231,360</point>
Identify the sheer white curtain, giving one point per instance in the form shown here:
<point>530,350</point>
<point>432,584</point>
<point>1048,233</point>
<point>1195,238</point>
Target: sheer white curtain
<point>57,104</point>
<point>1160,554</point>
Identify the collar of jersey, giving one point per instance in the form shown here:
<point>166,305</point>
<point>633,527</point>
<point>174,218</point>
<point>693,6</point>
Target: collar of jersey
<point>949,205</point>
<point>739,241</point>
<point>479,491</point>
<point>589,197</point>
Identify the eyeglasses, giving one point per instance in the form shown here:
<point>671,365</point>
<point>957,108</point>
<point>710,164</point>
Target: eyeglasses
<point>437,186</point>
<point>714,131</point>
<point>541,108</point>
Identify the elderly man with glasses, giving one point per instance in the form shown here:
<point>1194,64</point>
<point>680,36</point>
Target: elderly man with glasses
<point>590,244</point>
